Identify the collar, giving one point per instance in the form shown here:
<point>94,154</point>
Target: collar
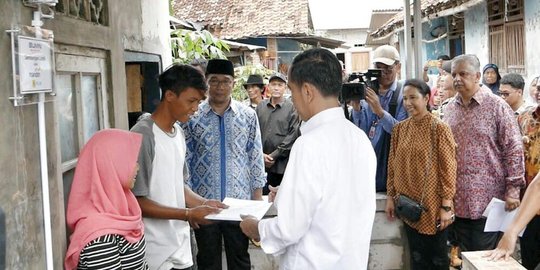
<point>446,101</point>
<point>525,106</point>
<point>392,88</point>
<point>328,115</point>
<point>425,118</point>
<point>277,105</point>
<point>480,95</point>
<point>205,107</point>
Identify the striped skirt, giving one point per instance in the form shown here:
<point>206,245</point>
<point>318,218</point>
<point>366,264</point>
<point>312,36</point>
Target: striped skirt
<point>113,251</point>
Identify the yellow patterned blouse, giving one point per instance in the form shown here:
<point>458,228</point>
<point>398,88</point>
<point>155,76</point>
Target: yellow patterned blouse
<point>529,122</point>
<point>410,152</point>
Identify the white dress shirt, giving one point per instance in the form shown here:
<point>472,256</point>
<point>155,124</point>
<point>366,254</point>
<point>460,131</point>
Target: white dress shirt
<point>326,201</point>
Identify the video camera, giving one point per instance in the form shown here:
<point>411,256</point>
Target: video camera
<point>355,87</point>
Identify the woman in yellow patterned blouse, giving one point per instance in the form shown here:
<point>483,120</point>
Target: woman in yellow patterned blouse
<point>422,166</point>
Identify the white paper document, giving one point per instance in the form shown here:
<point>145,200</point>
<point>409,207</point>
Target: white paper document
<point>239,207</point>
<point>497,218</point>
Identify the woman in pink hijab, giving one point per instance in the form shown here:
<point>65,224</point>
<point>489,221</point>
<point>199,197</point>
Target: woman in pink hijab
<point>102,213</point>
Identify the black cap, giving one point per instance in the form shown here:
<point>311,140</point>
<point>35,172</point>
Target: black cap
<point>278,76</point>
<point>220,66</point>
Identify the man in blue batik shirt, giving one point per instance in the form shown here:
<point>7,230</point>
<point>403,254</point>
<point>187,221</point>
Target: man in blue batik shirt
<point>225,159</point>
<point>379,112</point>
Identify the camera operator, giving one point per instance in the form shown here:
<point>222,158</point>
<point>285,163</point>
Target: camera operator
<point>379,112</point>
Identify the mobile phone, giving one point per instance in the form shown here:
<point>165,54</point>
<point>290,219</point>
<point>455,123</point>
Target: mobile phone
<point>433,63</point>
<point>452,217</point>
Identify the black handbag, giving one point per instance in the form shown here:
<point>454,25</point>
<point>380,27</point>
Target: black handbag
<point>407,208</point>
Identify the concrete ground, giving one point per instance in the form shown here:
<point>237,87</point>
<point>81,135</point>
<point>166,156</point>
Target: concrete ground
<point>259,260</point>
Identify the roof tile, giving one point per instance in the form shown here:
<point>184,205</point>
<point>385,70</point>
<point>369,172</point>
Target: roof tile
<point>236,19</point>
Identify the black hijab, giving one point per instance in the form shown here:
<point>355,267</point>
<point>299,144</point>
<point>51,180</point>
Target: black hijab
<point>495,86</point>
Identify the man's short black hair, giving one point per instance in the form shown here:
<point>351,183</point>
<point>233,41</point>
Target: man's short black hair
<point>443,57</point>
<point>513,79</point>
<point>319,67</point>
<point>179,77</point>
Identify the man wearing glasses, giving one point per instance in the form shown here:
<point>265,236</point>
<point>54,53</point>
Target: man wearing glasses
<point>489,154</point>
<point>381,110</point>
<point>225,159</point>
<point>511,90</point>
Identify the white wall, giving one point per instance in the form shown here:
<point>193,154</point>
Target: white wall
<point>145,28</point>
<point>476,33</point>
<point>532,39</point>
<point>155,28</point>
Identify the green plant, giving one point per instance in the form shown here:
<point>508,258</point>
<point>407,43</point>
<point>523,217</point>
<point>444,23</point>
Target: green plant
<point>187,45</point>
<point>241,75</point>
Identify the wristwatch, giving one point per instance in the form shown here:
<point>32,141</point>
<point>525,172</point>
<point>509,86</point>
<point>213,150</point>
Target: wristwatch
<point>446,208</point>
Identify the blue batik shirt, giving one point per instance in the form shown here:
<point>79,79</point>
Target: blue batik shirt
<point>224,153</point>
<point>376,127</point>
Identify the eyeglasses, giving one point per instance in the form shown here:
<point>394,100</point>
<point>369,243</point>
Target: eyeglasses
<point>216,82</point>
<point>504,94</point>
<point>386,69</point>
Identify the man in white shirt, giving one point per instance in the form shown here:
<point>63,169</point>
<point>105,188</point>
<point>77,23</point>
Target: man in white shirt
<point>326,201</point>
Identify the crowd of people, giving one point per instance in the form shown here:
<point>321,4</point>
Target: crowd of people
<point>440,154</point>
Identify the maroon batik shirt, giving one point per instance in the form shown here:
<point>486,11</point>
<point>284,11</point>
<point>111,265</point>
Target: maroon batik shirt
<point>489,152</point>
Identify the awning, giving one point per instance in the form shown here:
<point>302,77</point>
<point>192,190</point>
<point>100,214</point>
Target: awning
<point>437,8</point>
<point>322,41</point>
<point>243,46</point>
<point>184,24</point>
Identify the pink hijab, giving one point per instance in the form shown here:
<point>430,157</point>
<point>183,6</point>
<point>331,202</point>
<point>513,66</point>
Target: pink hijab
<point>100,201</point>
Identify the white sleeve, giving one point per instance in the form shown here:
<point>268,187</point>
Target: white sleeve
<point>297,200</point>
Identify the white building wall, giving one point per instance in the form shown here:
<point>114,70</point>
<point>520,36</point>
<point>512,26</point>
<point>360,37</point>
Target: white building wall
<point>155,29</point>
<point>477,33</point>
<point>532,39</point>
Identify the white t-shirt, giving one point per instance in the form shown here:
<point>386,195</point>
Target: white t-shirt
<point>326,201</point>
<point>161,179</point>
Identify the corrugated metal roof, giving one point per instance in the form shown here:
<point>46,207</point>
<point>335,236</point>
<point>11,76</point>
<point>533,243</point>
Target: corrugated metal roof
<point>437,8</point>
<point>378,18</point>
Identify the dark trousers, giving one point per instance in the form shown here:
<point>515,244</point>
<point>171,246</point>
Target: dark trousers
<point>428,251</point>
<point>530,244</point>
<point>209,245</point>
<point>452,237</point>
<point>470,234</point>
<point>273,179</point>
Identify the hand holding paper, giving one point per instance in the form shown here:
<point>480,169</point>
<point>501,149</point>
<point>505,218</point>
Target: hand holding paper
<point>250,227</point>
<point>238,207</point>
<point>498,219</point>
<point>197,216</point>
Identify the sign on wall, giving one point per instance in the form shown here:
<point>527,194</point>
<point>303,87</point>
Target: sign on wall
<point>35,65</point>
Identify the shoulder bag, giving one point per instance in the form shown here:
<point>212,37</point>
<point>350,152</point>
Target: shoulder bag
<point>407,208</point>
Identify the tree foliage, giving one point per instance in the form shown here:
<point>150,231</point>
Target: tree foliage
<point>187,45</point>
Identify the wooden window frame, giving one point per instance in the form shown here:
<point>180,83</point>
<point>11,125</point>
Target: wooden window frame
<point>507,35</point>
<point>64,7</point>
<point>77,91</point>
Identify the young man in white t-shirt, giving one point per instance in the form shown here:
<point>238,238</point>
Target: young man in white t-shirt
<point>168,206</point>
